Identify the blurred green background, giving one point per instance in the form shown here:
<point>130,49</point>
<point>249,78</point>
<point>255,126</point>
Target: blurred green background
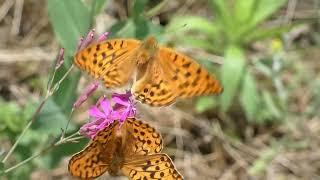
<point>265,125</point>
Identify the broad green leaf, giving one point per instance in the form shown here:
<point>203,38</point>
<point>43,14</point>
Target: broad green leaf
<point>183,24</point>
<point>264,160</point>
<point>249,97</point>
<point>142,29</point>
<point>223,12</point>
<point>243,10</point>
<point>197,42</point>
<point>263,9</point>
<point>51,119</point>
<point>70,21</point>
<point>204,103</point>
<point>97,6</point>
<point>138,8</point>
<point>1,168</point>
<point>270,104</point>
<point>156,9</point>
<point>131,29</point>
<point>13,116</point>
<point>53,158</point>
<point>66,94</point>
<point>231,75</point>
<point>262,33</point>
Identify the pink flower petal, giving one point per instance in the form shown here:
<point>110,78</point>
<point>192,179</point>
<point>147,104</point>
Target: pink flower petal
<point>105,105</point>
<point>103,36</point>
<point>95,112</point>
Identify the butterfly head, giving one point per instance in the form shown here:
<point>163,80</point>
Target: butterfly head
<point>147,50</point>
<point>150,44</point>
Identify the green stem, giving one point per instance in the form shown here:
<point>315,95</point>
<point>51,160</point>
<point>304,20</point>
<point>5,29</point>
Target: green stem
<point>25,129</point>
<point>70,138</point>
<point>33,118</point>
<point>66,128</point>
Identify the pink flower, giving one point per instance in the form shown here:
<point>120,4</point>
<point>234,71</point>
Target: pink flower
<point>103,113</point>
<point>124,105</point>
<point>86,93</point>
<point>60,59</point>
<point>85,42</point>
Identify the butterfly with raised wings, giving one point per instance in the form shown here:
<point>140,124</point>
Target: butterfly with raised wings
<point>161,75</point>
<point>132,148</point>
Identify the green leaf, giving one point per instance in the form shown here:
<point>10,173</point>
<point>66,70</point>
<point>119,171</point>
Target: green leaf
<point>70,21</point>
<point>183,24</point>
<point>222,12</point>
<point>197,42</point>
<point>66,94</point>
<point>263,33</point>
<point>13,116</point>
<point>243,10</point>
<point>263,161</point>
<point>97,6</point>
<point>271,105</point>
<point>263,9</point>
<point>131,28</point>
<point>138,8</point>
<point>52,118</point>
<point>249,96</point>
<point>1,168</point>
<point>204,103</point>
<point>232,70</point>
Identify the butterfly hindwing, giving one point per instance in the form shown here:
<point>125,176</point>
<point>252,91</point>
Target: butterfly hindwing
<point>152,87</point>
<point>109,61</point>
<point>155,166</point>
<point>95,159</point>
<point>141,139</point>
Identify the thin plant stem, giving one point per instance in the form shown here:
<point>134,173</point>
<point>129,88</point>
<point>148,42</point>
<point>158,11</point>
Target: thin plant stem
<point>70,138</point>
<point>51,81</point>
<point>25,129</point>
<point>35,114</point>
<point>66,128</point>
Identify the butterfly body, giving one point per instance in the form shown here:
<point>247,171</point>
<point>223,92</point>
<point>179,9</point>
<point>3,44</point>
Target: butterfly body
<point>117,157</point>
<point>133,149</point>
<point>162,74</point>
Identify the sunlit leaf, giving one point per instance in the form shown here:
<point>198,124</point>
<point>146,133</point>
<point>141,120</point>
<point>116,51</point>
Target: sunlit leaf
<point>70,21</point>
<point>184,24</point>
<point>263,9</point>
<point>204,103</point>
<point>243,10</point>
<point>232,71</point>
<point>97,6</point>
<point>249,96</point>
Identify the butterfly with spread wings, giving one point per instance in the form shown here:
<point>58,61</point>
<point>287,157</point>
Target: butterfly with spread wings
<point>161,75</point>
<point>132,148</point>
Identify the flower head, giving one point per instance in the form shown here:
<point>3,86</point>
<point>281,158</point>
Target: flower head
<point>86,93</point>
<point>104,113</point>
<point>124,105</point>
<point>60,59</point>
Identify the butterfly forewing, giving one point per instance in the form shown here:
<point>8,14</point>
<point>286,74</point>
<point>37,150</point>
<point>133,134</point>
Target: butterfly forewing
<point>155,166</point>
<point>110,61</point>
<point>187,76</point>
<point>163,74</point>
<point>95,159</point>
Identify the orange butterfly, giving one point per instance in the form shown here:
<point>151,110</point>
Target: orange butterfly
<point>134,148</point>
<point>162,73</point>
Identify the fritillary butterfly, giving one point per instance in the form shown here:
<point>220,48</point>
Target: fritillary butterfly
<point>161,74</point>
<point>134,149</point>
